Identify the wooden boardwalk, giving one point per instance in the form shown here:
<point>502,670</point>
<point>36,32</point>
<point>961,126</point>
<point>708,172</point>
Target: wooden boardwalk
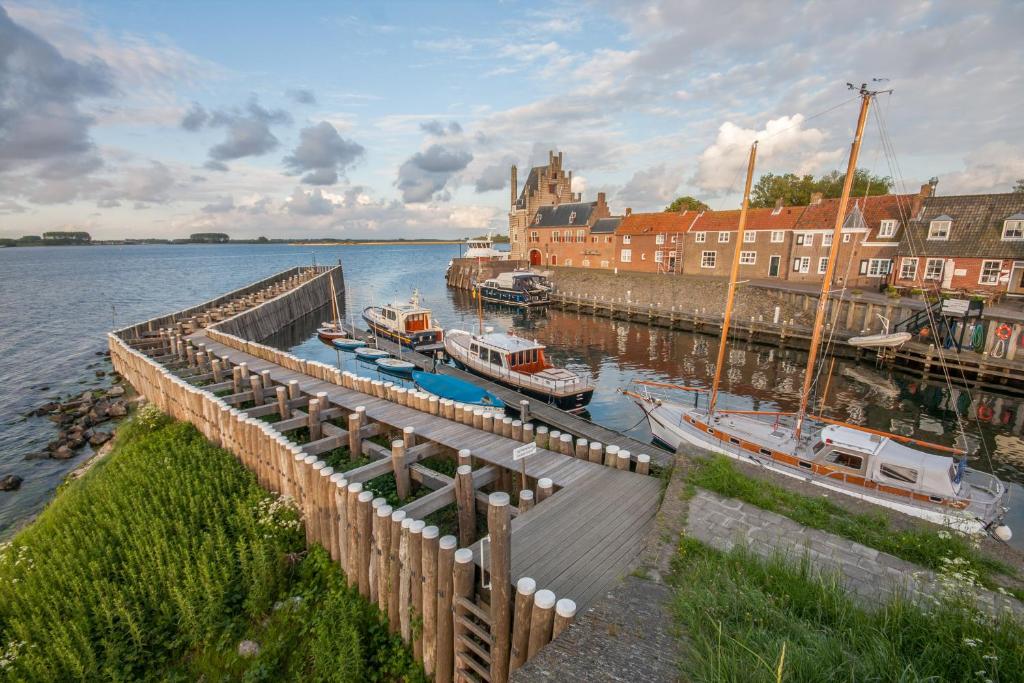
<point>578,542</point>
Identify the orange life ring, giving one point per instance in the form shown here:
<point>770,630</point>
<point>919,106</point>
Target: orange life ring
<point>985,412</point>
<point>925,332</point>
<point>1004,331</point>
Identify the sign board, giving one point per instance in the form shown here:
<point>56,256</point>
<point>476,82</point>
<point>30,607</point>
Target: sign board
<point>524,451</point>
<point>955,306</point>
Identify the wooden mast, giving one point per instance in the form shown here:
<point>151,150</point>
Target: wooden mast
<point>830,266</point>
<point>334,304</point>
<point>733,275</point>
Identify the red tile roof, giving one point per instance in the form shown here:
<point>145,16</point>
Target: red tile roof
<point>757,219</point>
<point>654,223</point>
<point>822,216</point>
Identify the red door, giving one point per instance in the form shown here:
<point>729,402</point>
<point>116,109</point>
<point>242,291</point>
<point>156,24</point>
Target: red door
<point>534,257</point>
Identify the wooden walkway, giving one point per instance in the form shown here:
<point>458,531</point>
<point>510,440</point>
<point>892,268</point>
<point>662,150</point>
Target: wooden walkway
<point>577,543</point>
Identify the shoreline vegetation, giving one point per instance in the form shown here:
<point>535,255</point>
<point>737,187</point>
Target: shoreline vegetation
<point>50,240</point>
<point>167,561</point>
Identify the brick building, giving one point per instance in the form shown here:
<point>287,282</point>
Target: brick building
<point>560,234</point>
<point>544,185</point>
<point>652,242</point>
<point>971,243</point>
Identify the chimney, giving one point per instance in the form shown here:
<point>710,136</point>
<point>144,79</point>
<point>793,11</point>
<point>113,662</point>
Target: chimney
<point>628,210</point>
<point>559,160</point>
<point>778,203</point>
<point>815,198</point>
<point>600,199</point>
<point>515,185</point>
<point>927,190</point>
<point>551,158</point>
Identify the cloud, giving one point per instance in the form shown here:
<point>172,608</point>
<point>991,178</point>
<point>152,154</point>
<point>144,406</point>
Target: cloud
<point>247,130</point>
<point>107,203</point>
<point>8,206</point>
<point>151,184</point>
<point>302,96</point>
<point>311,203</point>
<point>195,118</point>
<point>322,154</point>
<point>220,205</point>
<point>993,168</point>
<point>651,188</point>
<point>439,129</point>
<point>495,176</point>
<point>425,175</point>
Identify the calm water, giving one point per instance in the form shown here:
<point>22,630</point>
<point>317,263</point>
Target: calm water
<point>56,304</point>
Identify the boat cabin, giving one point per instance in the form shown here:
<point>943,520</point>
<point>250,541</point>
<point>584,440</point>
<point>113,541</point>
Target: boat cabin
<point>511,352</point>
<point>406,317</point>
<point>521,281</point>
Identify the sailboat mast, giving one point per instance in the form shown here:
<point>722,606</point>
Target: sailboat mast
<point>334,303</point>
<point>830,266</point>
<point>733,275</point>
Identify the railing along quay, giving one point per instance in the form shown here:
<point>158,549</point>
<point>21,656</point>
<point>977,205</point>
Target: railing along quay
<point>466,613</point>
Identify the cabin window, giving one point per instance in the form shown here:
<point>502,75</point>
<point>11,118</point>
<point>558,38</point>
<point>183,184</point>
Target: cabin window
<point>843,459</point>
<point>474,349</point>
<point>483,353</point>
<point>806,465</point>
<point>765,451</point>
<point>733,439</point>
<point>496,358</point>
<point>898,473</point>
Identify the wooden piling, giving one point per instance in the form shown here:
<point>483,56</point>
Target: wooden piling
<point>445,567</point>
<point>498,520</point>
<point>355,439</point>
<point>293,389</point>
<point>582,449</point>
<point>525,588</point>
<point>313,422</point>
<point>565,613</point>
<point>541,439</point>
<point>465,457</point>
<point>462,588</point>
<point>363,508</point>
<point>545,488</point>
<point>542,620</point>
<point>355,489</point>
<point>283,411</point>
<point>465,499</point>
<point>236,380</point>
<point>565,444</point>
<point>643,464</point>
<point>398,464</point>
<point>622,461</point>
<point>594,453</point>
<point>528,435</point>
<point>524,410</point>
<point>525,500</point>
<point>404,587</point>
<point>611,455</point>
<point>429,573</point>
<point>257,389</point>
<point>395,571</point>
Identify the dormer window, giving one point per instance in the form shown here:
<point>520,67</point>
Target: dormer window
<point>536,219</point>
<point>887,228</point>
<point>1013,227</point>
<point>572,217</point>
<point>939,228</point>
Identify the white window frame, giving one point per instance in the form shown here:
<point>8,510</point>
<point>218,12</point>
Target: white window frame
<point>749,237</point>
<point>778,236</point>
<point>928,274</point>
<point>748,258</point>
<point>908,268</point>
<point>675,238</point>
<point>993,279</point>
<point>826,240</point>
<point>627,239</point>
<point>700,237</point>
<point>708,259</point>
<point>659,238</point>
<point>626,256</point>
<point>935,227</point>
<point>878,267</point>
<point>846,238</point>
<point>1018,227</point>
<point>822,264</point>
<point>568,262</point>
<point>723,237</point>
<point>581,235</point>
<point>556,236</point>
<point>802,264</point>
<point>572,217</point>
<point>887,228</point>
<point>659,256</point>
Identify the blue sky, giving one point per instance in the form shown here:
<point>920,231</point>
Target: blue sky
<point>401,119</point>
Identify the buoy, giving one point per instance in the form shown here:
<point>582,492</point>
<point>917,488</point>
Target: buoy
<point>1002,533</point>
<point>1003,331</point>
<point>985,412</point>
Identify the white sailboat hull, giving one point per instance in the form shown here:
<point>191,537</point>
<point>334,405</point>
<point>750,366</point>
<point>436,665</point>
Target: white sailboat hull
<point>879,341</point>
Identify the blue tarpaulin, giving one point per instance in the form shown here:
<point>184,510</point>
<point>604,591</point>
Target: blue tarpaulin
<point>456,389</point>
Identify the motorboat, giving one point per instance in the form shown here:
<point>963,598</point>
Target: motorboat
<point>396,366</point>
<point>459,390</point>
<point>880,341</point>
<point>406,323</point>
<point>348,344</point>
<point>370,353</point>
<point>517,288</point>
<point>519,364</point>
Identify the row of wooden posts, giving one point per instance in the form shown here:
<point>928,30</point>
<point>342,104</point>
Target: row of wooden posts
<point>453,632</point>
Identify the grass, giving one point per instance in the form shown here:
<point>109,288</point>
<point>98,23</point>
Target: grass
<point>924,546</point>
<point>161,559</point>
<point>745,619</point>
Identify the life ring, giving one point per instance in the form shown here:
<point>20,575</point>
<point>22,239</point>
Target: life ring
<point>925,332</point>
<point>985,412</point>
<point>1004,331</point>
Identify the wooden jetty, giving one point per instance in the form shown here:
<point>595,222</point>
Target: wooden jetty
<point>566,521</point>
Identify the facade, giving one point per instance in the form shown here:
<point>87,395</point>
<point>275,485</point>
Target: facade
<point>652,242</point>
<point>545,185</point>
<point>969,243</point>
<point>560,234</point>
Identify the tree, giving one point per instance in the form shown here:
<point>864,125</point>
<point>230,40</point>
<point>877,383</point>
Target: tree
<point>67,236</point>
<point>1019,186</point>
<point>864,183</point>
<point>208,237</point>
<point>687,203</point>
<point>796,190</point>
<point>262,240</point>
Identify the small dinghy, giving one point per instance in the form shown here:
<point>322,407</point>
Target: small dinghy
<point>878,341</point>
<point>396,366</point>
<point>456,389</point>
<point>367,353</point>
<point>348,344</point>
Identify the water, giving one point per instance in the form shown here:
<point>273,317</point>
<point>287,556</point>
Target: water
<point>55,307</point>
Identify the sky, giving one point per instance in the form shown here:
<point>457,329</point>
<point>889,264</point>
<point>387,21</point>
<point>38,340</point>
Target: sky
<point>401,119</point>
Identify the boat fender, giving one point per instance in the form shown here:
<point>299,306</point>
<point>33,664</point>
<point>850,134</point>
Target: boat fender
<point>985,412</point>
<point>1003,331</point>
<point>1002,533</point>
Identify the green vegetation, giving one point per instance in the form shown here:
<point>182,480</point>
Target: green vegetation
<point>687,203</point>
<point>157,563</point>
<point>932,548</point>
<point>63,236</point>
<point>796,190</point>
<point>745,619</point>
<point>209,237</point>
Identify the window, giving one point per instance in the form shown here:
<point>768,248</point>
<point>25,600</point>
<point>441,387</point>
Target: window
<point>626,239</point>
<point>659,239</point>
<point>700,237</point>
<point>749,237</point>
<point>846,238</point>
<point>572,217</point>
<point>674,240</point>
<point>555,236</point>
<point>822,265</point>
<point>933,269</point>
<point>898,473</point>
<point>778,236</point>
<point>990,272</point>
<point>826,240</point>
<point>536,219</point>
<point>879,267</point>
<point>626,256</point>
<point>843,459</point>
<point>802,264</point>
<point>659,256</point>
<point>723,237</point>
<point>483,353</point>
<point>604,264</point>
<point>496,358</point>
<point>586,263</point>
<point>1013,230</point>
<point>581,235</point>
<point>474,349</point>
<point>804,239</point>
<point>887,228</point>
<point>939,230</point>
<point>708,258</point>
<point>908,269</point>
<point>748,258</point>
<point>534,237</point>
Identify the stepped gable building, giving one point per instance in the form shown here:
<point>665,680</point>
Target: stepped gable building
<point>560,234</point>
<point>971,243</point>
<point>544,185</point>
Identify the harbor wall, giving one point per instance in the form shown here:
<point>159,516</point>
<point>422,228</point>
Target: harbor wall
<point>466,272</point>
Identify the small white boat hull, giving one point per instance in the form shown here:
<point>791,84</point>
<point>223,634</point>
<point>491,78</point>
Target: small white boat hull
<point>880,341</point>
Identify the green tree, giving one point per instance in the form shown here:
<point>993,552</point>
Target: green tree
<point>687,203</point>
<point>864,183</point>
<point>208,237</point>
<point>796,190</point>
<point>262,240</point>
<point>1019,186</point>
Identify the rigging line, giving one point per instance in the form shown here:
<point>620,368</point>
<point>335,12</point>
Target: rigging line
<point>894,164</point>
<point>809,118</point>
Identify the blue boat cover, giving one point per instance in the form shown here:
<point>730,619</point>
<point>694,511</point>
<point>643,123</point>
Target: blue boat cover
<point>456,389</point>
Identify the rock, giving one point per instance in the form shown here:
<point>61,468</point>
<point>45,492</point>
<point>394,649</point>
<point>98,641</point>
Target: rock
<point>10,482</point>
<point>56,418</point>
<point>44,409</point>
<point>100,373</point>
<point>86,397</point>
<point>115,392</point>
<point>99,438</point>
<point>62,453</point>
<point>76,441</point>
<point>249,649</point>
<point>87,434</point>
<point>118,409</point>
<point>38,455</point>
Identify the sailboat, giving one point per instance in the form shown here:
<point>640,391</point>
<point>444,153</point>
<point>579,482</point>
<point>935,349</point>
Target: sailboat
<point>329,331</point>
<point>912,476</point>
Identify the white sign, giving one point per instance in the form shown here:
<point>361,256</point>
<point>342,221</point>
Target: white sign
<point>524,451</point>
<point>955,306</point>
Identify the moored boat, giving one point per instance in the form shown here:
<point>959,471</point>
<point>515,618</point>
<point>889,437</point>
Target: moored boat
<point>461,391</point>
<point>408,323</point>
<point>518,288</point>
<point>396,366</point>
<point>370,354</point>
<point>334,329</point>
<point>348,344</point>
<point>519,364</point>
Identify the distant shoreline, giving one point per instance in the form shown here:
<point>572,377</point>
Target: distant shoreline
<point>138,243</point>
<point>374,243</point>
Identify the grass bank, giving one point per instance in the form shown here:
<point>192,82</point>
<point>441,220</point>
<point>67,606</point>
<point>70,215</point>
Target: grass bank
<point>745,619</point>
<point>156,564</point>
<point>928,547</point>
